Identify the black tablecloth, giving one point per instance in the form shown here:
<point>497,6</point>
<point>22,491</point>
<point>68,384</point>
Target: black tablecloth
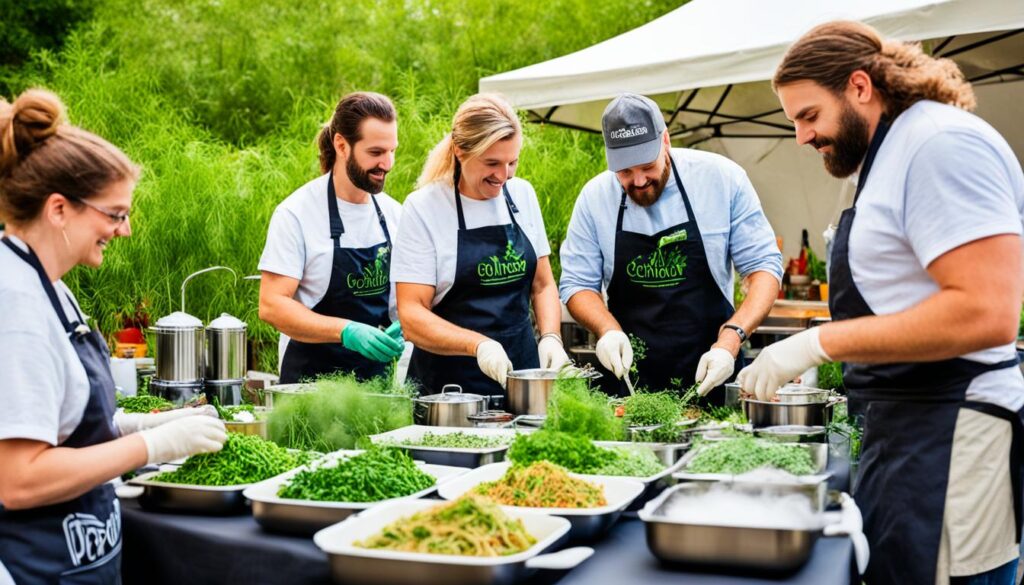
<point>174,549</point>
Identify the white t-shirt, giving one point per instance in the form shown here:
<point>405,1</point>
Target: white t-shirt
<point>942,178</point>
<point>426,249</point>
<point>299,241</point>
<point>42,382</point>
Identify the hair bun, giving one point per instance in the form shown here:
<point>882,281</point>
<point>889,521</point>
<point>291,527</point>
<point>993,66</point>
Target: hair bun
<point>35,116</point>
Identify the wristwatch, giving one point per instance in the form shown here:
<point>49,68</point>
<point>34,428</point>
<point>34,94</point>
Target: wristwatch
<point>739,331</point>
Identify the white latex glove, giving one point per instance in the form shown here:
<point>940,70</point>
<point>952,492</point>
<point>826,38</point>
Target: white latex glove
<point>493,361</point>
<point>851,523</point>
<point>615,353</point>
<point>714,368</point>
<point>552,353</point>
<point>129,423</point>
<point>183,437</point>
<point>780,362</point>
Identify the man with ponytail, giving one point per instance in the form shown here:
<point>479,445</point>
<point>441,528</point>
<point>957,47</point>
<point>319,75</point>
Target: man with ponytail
<point>926,286</point>
<point>65,194</point>
<point>326,265</point>
<point>472,255</point>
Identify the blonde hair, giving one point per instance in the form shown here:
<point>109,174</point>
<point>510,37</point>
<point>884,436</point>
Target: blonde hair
<point>41,154</point>
<point>901,72</point>
<point>480,121</point>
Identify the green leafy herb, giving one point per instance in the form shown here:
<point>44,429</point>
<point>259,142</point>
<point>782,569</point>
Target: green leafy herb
<point>578,454</point>
<point>741,455</point>
<point>458,440</point>
<point>143,403</point>
<point>378,474</point>
<point>244,459</point>
<point>576,408</point>
<point>830,376</point>
<point>660,409</point>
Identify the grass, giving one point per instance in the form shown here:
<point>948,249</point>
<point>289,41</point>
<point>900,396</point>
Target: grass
<point>220,101</point>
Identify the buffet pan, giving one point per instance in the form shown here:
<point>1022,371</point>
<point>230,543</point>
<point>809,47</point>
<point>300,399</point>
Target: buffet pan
<point>733,546</point>
<point>199,499</point>
<point>587,523</point>
<point>354,565</point>
<point>305,517</point>
<point>453,456</point>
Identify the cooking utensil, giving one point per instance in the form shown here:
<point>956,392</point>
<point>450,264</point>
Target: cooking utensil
<point>352,564</point>
<point>196,499</point>
<point>448,409</point>
<point>179,348</point>
<point>798,394</point>
<point>793,434</point>
<point>587,523</point>
<point>225,349</point>
<point>281,393</point>
<point>629,383</point>
<point>772,414</point>
<point>751,547</point>
<point>305,517</point>
<point>529,389</point>
<point>459,457</point>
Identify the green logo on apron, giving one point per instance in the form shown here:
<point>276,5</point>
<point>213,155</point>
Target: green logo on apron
<point>508,268</point>
<point>663,267</point>
<point>372,279</point>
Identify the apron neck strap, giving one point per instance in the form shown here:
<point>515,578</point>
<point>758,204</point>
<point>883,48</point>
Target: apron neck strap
<point>682,193</point>
<point>456,176</point>
<point>869,158</point>
<point>32,260</point>
<point>337,227</point>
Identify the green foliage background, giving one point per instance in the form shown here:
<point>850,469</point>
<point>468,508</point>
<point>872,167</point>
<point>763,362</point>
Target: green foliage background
<point>220,100</point>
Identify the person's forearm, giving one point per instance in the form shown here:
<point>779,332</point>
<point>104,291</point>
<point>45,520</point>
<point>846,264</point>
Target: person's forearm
<point>762,290</point>
<point>432,333</point>
<point>588,309</point>
<point>35,477</point>
<point>948,324</point>
<point>298,322</point>
<point>547,308</point>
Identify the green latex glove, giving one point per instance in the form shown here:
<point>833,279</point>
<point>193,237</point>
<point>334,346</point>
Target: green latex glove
<point>370,342</point>
<point>394,331</point>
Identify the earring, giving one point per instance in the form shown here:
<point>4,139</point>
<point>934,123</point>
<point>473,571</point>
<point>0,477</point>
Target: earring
<point>66,240</point>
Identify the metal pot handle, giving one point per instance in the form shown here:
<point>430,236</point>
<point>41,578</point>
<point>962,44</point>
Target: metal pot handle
<point>447,386</point>
<point>194,274</point>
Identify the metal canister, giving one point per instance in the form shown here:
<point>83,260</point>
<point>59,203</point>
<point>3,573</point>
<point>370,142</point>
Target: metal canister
<point>225,349</point>
<point>179,348</point>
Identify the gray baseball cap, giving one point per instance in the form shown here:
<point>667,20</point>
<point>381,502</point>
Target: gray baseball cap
<point>632,126</point>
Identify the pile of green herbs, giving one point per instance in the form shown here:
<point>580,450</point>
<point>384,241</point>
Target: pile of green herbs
<point>235,92</point>
<point>846,429</point>
<point>378,474</point>
<point>830,376</point>
<point>143,403</point>
<point>740,455</point>
<point>660,412</point>
<point>457,440</point>
<point>339,413</point>
<point>244,459</point>
<point>577,409</point>
<point>580,455</point>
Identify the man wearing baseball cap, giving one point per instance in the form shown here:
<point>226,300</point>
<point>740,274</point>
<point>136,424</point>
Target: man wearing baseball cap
<point>659,233</point>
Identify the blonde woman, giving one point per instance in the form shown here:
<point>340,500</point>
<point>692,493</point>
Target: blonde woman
<point>64,195</point>
<point>470,256</point>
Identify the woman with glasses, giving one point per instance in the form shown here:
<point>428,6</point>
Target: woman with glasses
<point>64,195</point>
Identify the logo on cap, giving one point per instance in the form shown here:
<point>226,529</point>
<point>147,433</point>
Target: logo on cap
<point>628,132</point>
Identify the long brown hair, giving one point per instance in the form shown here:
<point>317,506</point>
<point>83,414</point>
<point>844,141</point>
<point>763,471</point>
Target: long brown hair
<point>480,121</point>
<point>347,121</point>
<point>901,72</point>
<point>41,154</point>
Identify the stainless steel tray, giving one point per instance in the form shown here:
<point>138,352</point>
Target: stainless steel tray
<point>447,455</point>
<point>814,485</point>
<point>305,517</point>
<point>587,524</point>
<point>747,547</point>
<point>671,454</point>
<point>200,499</point>
<point>354,565</point>
<point>773,414</point>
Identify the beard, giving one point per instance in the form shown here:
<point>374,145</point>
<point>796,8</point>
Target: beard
<point>361,178</point>
<point>848,146</point>
<point>646,196</point>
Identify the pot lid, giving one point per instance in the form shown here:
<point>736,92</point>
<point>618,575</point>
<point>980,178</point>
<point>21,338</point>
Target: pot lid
<point>179,320</point>
<point>450,396</point>
<point>226,321</point>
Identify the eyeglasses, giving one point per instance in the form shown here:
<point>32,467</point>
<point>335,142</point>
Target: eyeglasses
<point>117,218</point>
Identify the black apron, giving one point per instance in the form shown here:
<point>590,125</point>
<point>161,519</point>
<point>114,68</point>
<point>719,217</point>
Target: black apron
<point>359,290</point>
<point>490,295</point>
<point>78,541</point>
<point>663,292</point>
<point>909,412</point>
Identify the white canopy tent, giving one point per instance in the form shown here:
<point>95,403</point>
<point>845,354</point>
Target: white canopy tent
<point>708,63</point>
